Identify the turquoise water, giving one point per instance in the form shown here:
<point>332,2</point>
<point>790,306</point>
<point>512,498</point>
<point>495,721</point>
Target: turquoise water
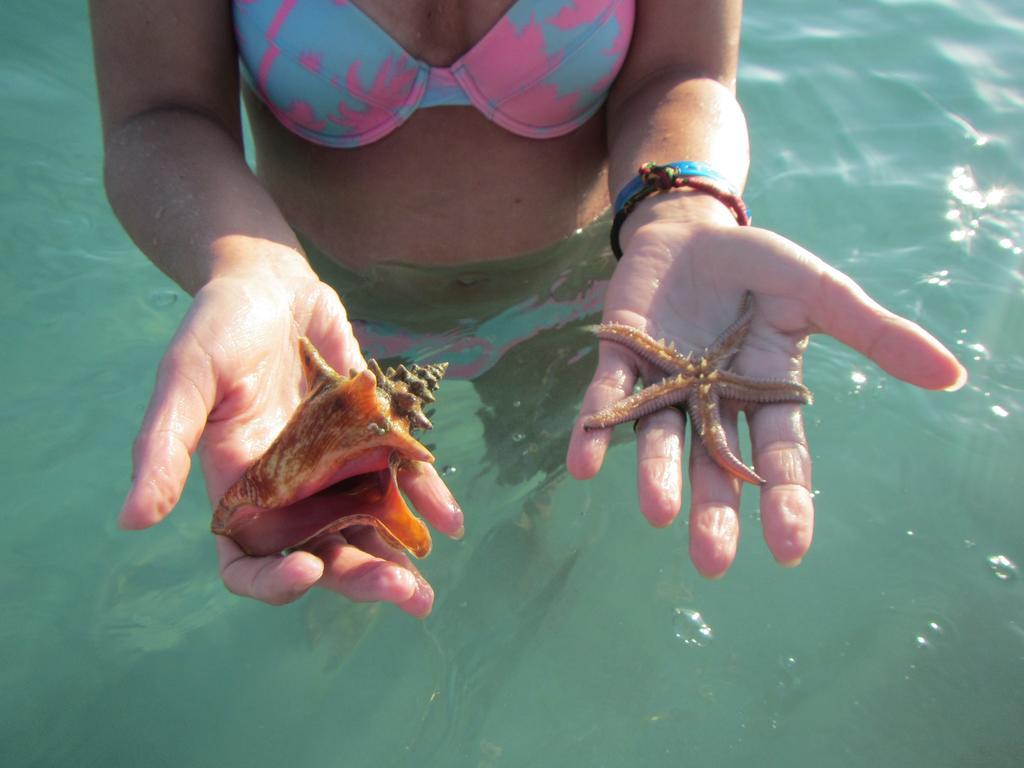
<point>887,138</point>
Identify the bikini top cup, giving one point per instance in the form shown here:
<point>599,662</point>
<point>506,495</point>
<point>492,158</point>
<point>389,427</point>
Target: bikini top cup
<point>334,77</point>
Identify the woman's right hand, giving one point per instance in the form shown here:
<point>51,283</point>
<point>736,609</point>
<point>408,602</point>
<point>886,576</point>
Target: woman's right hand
<point>232,376</point>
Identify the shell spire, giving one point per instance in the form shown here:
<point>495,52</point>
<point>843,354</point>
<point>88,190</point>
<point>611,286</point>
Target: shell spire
<point>409,388</point>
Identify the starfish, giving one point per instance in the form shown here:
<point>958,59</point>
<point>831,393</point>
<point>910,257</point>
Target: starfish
<point>700,383</point>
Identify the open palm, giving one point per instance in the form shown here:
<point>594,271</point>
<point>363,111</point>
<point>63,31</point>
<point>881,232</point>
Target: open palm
<point>686,285</point>
<point>229,381</point>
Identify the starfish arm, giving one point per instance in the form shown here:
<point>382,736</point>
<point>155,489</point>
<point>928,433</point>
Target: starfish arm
<point>732,386</point>
<point>701,383</point>
<point>725,347</point>
<point>707,423</point>
<point>660,354</point>
<point>664,394</point>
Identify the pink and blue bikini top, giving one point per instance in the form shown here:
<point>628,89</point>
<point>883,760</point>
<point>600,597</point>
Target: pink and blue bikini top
<point>333,76</point>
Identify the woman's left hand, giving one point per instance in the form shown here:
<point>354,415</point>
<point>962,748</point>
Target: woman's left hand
<point>685,282</point>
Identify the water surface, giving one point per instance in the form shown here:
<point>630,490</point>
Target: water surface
<point>886,137</point>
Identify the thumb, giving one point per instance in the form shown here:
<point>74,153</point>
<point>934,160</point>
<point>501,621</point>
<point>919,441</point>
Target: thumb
<point>184,395</point>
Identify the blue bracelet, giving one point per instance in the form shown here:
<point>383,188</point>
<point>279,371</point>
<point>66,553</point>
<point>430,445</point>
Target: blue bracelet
<point>652,179</point>
<point>685,168</point>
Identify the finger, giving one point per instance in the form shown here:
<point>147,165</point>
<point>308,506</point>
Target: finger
<point>899,346</point>
<point>422,600</point>
<point>184,395</point>
<point>331,333</point>
<point>784,461</point>
<point>659,465</point>
<point>714,505</point>
<point>612,381</point>
<point>361,576</point>
<point>429,496</point>
<point>274,580</point>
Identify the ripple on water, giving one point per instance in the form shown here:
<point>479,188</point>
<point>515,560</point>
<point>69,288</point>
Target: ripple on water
<point>789,678</point>
<point>929,636</point>
<point>1003,567</point>
<point>689,626</point>
<point>161,299</point>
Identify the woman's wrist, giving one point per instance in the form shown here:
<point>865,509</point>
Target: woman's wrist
<point>244,257</point>
<point>683,207</point>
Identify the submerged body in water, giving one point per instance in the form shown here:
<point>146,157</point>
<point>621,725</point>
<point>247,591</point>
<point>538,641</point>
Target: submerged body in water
<point>448,187</point>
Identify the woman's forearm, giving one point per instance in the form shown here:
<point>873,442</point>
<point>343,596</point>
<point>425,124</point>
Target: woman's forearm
<point>675,101</point>
<point>181,188</point>
<point>671,119</point>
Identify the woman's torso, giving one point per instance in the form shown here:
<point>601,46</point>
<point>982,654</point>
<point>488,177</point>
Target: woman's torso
<point>447,186</point>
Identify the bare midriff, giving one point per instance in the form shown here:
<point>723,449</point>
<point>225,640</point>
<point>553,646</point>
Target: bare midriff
<point>447,187</point>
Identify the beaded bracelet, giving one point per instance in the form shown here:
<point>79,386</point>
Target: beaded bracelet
<point>652,179</point>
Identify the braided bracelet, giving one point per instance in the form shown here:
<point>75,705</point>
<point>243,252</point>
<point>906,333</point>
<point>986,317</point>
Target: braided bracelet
<point>653,179</point>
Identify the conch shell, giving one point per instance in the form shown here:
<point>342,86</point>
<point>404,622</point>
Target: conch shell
<point>335,462</point>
